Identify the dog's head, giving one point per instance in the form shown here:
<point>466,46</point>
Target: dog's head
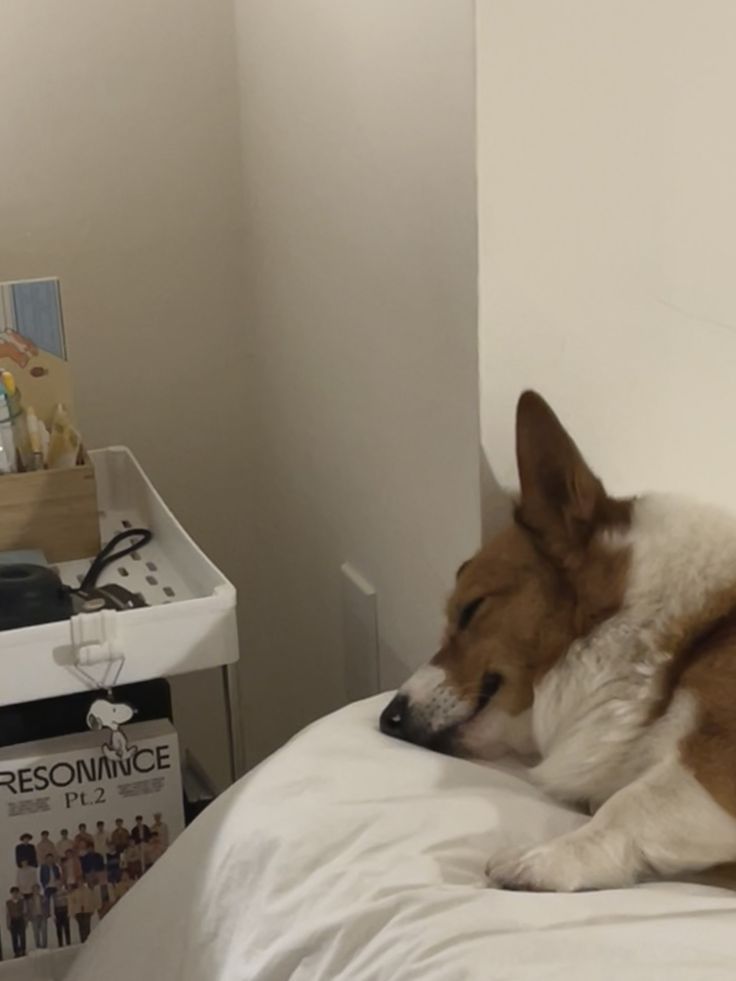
<point>556,572</point>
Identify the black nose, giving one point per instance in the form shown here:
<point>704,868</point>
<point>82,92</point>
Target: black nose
<point>394,717</point>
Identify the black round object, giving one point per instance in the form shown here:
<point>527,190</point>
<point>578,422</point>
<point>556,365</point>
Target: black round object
<point>31,594</point>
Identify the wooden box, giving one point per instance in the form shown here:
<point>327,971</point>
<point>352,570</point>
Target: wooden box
<point>52,510</point>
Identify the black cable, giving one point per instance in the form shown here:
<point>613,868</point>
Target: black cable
<point>107,555</point>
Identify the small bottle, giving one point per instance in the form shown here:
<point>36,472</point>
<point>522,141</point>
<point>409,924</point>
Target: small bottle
<point>34,438</point>
<point>17,420</point>
<point>64,442</point>
<point>8,455</point>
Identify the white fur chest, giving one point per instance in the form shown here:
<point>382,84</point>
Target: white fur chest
<point>591,711</point>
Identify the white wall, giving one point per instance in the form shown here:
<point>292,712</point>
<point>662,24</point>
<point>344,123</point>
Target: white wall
<point>119,172</point>
<point>358,133</point>
<point>608,233</point>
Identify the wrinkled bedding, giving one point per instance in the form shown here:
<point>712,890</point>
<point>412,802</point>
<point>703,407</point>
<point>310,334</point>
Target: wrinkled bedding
<point>348,855</point>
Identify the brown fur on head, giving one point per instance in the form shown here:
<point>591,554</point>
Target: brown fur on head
<point>522,600</point>
<point>510,614</point>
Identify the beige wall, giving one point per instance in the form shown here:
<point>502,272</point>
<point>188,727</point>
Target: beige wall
<point>607,215</point>
<point>335,314</point>
<point>359,147</point>
<point>119,172</point>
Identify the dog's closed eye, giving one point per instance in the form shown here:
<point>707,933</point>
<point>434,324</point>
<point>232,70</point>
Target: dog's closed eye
<point>468,612</point>
<point>492,681</point>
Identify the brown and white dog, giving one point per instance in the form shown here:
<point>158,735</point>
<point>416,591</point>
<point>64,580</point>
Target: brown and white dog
<point>599,634</point>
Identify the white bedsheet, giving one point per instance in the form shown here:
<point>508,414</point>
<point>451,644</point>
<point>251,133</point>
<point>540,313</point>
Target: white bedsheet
<point>348,855</point>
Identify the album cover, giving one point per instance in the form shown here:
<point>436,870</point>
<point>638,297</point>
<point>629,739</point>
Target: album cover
<point>79,827</point>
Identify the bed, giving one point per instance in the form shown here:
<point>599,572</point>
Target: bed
<point>349,855</point>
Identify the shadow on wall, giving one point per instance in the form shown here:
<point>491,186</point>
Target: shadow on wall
<point>496,506</point>
<point>495,502</point>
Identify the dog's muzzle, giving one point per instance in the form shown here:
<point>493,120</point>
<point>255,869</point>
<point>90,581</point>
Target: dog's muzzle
<point>401,721</point>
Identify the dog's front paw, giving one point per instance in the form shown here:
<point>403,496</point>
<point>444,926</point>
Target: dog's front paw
<point>530,870</point>
<point>573,863</point>
<point>556,866</point>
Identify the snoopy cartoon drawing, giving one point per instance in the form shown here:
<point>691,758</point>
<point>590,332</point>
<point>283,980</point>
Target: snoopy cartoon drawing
<point>104,714</point>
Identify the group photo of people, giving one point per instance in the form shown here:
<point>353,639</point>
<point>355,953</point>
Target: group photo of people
<point>61,885</point>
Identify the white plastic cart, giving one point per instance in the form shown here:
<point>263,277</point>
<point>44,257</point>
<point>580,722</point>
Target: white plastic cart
<point>188,625</point>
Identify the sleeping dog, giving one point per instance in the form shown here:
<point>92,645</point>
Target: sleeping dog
<point>599,634</point>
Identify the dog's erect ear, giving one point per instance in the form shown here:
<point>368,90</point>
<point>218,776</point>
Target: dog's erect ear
<point>561,498</point>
